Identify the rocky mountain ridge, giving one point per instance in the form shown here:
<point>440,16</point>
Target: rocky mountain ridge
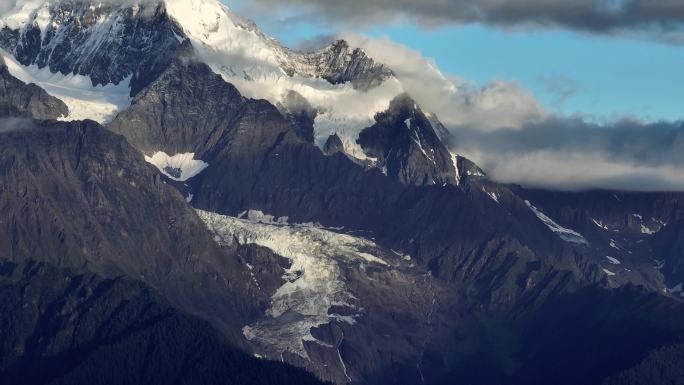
<point>419,268</point>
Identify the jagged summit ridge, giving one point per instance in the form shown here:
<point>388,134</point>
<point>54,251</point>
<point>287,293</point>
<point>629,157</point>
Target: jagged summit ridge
<point>107,42</point>
<point>74,36</point>
<point>128,43</point>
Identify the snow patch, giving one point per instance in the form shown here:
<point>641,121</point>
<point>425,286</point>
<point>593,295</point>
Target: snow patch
<point>179,167</point>
<point>256,64</point>
<point>454,160</point>
<point>599,224</point>
<point>646,230</point>
<point>494,196</point>
<point>614,245</point>
<point>476,173</point>
<point>609,273</point>
<point>676,289</point>
<point>612,260</point>
<point>565,234</point>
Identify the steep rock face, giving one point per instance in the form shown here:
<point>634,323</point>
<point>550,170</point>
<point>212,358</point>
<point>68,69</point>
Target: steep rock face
<point>107,42</point>
<point>257,161</point>
<point>668,253</point>
<point>191,109</point>
<point>300,113</point>
<point>79,196</point>
<point>84,329</point>
<point>634,236</point>
<point>333,145</point>
<point>339,63</point>
<point>20,100</point>
<point>482,253</point>
<point>617,329</point>
<point>407,147</point>
<point>467,169</point>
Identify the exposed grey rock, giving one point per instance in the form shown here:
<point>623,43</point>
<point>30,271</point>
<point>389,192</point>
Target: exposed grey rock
<point>480,255</point>
<point>79,196</point>
<point>67,328</point>
<point>407,147</point>
<point>339,63</point>
<point>18,99</point>
<point>138,39</point>
<point>333,145</point>
<point>300,113</point>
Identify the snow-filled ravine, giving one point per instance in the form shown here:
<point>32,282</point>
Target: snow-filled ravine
<point>568,235</point>
<point>314,283</point>
<point>85,101</point>
<point>179,167</point>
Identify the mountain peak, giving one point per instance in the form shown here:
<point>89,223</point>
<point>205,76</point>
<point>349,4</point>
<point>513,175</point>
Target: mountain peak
<point>407,146</point>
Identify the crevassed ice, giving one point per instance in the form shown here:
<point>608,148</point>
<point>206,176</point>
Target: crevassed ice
<point>315,281</point>
<point>179,167</point>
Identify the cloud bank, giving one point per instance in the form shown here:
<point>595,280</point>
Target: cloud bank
<point>494,106</point>
<point>506,130</point>
<point>572,154</point>
<point>662,19</point>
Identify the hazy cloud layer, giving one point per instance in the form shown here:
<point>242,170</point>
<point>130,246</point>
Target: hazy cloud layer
<point>663,19</point>
<point>573,154</point>
<point>8,125</point>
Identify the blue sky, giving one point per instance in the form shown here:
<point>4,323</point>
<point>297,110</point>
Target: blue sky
<point>600,77</point>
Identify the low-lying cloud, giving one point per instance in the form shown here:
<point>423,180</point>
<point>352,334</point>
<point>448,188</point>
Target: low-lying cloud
<point>570,153</point>
<point>8,125</point>
<point>500,104</point>
<point>662,19</point>
<point>505,129</point>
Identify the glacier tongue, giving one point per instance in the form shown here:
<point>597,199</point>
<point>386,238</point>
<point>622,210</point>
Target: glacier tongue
<point>314,283</point>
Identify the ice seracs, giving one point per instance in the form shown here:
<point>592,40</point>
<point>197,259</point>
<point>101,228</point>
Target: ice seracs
<point>314,283</point>
<point>179,167</point>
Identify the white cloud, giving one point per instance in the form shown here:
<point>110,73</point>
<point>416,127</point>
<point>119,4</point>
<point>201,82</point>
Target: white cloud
<point>457,102</point>
<point>580,170</point>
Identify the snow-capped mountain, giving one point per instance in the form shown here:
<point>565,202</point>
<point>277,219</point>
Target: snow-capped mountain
<point>307,207</point>
<point>96,56</point>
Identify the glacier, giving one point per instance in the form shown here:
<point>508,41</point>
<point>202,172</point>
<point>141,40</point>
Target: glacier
<point>314,284</point>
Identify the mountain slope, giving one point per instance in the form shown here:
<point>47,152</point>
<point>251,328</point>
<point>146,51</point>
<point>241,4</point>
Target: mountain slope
<point>83,329</point>
<point>406,146</point>
<point>78,196</point>
<point>21,100</point>
<point>425,273</point>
